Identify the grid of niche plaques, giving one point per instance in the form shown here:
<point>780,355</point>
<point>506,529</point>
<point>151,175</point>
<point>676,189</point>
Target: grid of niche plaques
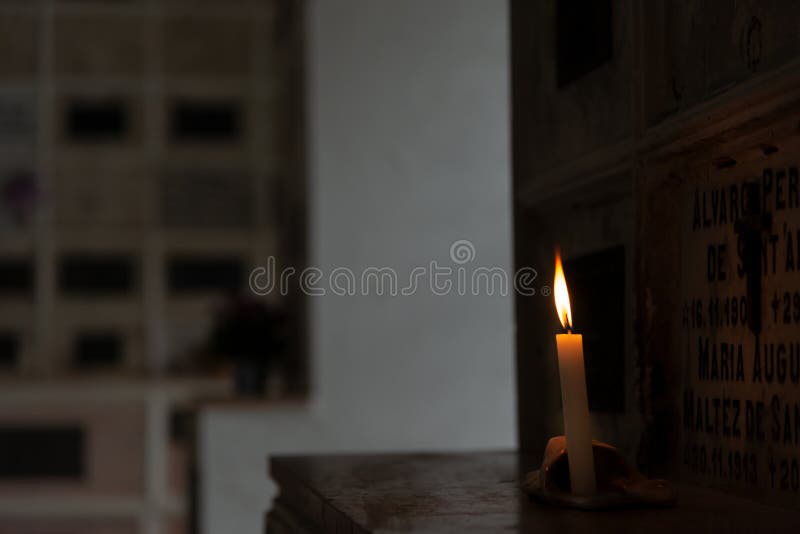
<point>135,168</point>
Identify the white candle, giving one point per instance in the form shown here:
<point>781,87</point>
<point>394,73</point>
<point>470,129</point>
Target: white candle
<point>574,401</point>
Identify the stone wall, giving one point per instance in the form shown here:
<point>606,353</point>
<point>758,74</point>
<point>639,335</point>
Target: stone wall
<point>699,97</point>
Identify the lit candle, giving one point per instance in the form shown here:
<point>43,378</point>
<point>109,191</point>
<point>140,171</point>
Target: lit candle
<point>573,393</point>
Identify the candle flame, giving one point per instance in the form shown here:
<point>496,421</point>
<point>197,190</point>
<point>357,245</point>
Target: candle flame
<point>562,295</point>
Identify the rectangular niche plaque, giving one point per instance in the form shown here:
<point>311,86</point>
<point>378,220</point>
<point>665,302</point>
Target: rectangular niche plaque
<point>17,119</point>
<point>217,120</point>
<point>97,350</point>
<point>96,274</point>
<point>193,274</point>
<point>16,277</point>
<point>597,289</point>
<point>38,451</point>
<point>9,349</point>
<point>96,119</point>
<point>207,199</point>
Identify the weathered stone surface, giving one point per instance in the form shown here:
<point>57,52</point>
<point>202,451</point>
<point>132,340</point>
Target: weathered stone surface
<point>712,87</point>
<point>18,119</point>
<point>99,193</point>
<point>584,115</point>
<point>695,50</point>
<point>19,46</point>
<point>203,46</point>
<point>474,493</point>
<point>98,45</point>
<point>207,199</point>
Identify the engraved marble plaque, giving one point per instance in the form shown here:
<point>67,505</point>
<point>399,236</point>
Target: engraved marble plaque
<point>207,199</point>
<point>92,45</point>
<point>224,50</point>
<point>721,313</point>
<point>17,119</point>
<point>18,45</point>
<point>99,193</point>
<point>741,395</point>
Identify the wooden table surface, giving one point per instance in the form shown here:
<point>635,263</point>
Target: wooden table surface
<point>476,493</point>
